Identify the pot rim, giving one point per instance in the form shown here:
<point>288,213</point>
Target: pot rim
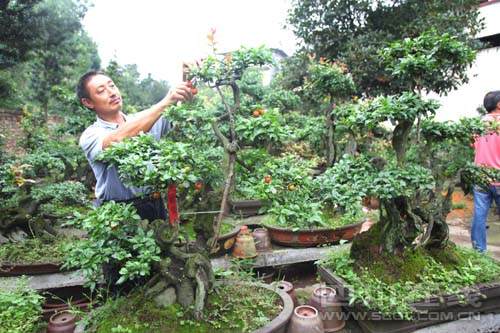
<point>318,230</point>
<point>309,307</point>
<point>280,321</point>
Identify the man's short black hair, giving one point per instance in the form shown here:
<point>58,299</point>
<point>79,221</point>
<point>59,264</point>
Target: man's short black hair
<point>81,88</point>
<point>491,100</point>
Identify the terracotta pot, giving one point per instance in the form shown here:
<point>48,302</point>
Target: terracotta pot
<point>244,247</point>
<point>262,240</point>
<point>288,288</point>
<point>62,322</point>
<point>305,319</point>
<point>324,299</point>
<point>312,237</point>
<point>225,242</point>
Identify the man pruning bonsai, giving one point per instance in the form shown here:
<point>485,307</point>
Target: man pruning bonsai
<point>487,154</point>
<point>97,92</point>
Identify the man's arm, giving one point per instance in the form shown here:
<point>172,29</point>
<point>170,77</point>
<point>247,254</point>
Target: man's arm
<point>146,119</point>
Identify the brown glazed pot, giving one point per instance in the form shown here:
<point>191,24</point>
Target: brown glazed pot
<point>245,208</point>
<point>305,319</point>
<point>313,237</point>
<point>7,269</point>
<point>62,322</point>
<point>244,247</point>
<point>288,288</point>
<point>324,299</point>
<point>262,240</point>
<point>225,242</point>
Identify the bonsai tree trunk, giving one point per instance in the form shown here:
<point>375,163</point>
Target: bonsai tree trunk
<point>330,133</point>
<point>400,139</point>
<point>405,221</point>
<point>231,147</point>
<point>186,267</point>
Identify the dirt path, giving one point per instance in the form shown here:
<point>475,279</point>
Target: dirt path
<point>459,221</point>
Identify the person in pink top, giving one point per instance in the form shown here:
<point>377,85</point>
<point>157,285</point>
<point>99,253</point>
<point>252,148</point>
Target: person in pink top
<point>487,153</point>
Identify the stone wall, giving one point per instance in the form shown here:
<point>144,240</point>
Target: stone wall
<point>10,128</point>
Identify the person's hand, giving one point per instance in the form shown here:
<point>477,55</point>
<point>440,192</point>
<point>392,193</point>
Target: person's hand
<point>180,93</point>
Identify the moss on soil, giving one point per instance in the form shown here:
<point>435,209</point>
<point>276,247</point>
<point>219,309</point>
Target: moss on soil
<point>36,250</point>
<point>408,265</point>
<point>229,309</point>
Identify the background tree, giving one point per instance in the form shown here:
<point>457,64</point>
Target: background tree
<point>353,31</point>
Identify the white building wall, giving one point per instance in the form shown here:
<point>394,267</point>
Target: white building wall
<point>484,75</point>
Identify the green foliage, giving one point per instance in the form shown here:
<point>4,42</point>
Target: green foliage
<point>353,178</point>
<point>404,107</point>
<point>231,308</point>
<point>432,61</point>
<point>265,130</point>
<point>290,193</point>
<point>69,193</point>
<point>430,274</point>
<point>137,93</point>
<point>36,250</point>
<point>307,128</point>
<point>473,175</point>
<point>192,122</point>
<point>328,79</point>
<point>34,129</point>
<point>462,131</point>
<point>354,31</point>
<point>115,235</point>
<point>223,70</point>
<point>144,161</point>
<point>284,100</point>
<point>20,310</point>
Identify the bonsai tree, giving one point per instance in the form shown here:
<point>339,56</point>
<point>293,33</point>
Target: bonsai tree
<point>219,72</point>
<point>329,82</point>
<point>413,211</point>
<point>151,249</point>
<point>29,205</point>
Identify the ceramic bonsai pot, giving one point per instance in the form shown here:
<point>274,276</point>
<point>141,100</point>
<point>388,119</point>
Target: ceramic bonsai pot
<point>278,325</point>
<point>7,269</point>
<point>245,208</point>
<point>312,237</point>
<point>305,319</point>
<point>427,312</point>
<point>325,300</point>
<point>62,322</point>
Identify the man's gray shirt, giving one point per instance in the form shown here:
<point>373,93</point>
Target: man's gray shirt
<point>109,186</point>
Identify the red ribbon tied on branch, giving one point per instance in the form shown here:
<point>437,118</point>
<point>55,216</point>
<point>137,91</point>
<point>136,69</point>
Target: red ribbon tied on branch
<point>173,213</point>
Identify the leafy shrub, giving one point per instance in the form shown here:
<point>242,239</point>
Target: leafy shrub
<point>264,130</point>
<point>115,235</point>
<point>69,192</point>
<point>20,310</point>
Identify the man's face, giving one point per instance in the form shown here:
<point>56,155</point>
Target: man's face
<point>105,97</point>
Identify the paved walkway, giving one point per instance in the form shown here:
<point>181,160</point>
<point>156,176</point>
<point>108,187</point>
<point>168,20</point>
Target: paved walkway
<point>459,222</point>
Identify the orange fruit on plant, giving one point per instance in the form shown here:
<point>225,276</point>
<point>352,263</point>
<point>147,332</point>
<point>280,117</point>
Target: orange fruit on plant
<point>291,187</point>
<point>262,111</point>
<point>198,186</point>
<point>256,113</point>
<point>268,179</point>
